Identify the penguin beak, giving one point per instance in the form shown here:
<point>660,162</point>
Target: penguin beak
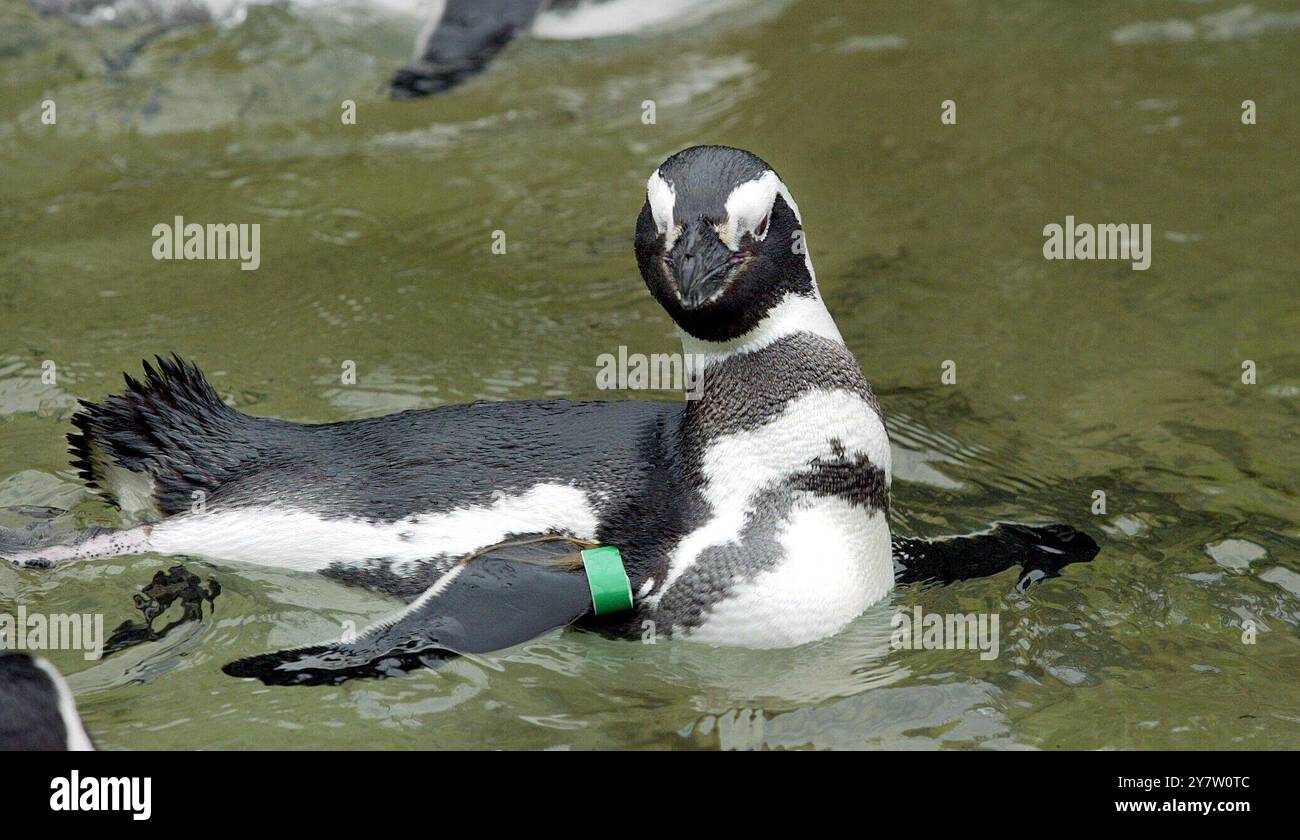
<point>699,263</point>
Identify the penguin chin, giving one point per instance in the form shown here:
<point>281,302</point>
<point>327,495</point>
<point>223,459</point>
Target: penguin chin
<point>733,306</point>
<point>727,316</point>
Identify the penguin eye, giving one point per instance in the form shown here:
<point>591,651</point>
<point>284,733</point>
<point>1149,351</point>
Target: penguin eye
<point>750,207</point>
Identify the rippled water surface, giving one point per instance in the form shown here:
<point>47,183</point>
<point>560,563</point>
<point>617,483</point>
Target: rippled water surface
<point>1072,377</point>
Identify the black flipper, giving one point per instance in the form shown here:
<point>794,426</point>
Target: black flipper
<point>501,597</point>
<point>1040,552</point>
<point>468,36</point>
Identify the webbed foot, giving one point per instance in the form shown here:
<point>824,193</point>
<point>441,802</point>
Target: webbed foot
<point>176,584</point>
<point>1047,549</point>
<point>1041,552</point>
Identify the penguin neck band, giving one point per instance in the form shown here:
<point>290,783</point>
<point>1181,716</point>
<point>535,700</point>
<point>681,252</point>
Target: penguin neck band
<point>611,591</point>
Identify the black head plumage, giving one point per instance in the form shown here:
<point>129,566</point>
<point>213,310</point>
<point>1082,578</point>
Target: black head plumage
<point>719,242</point>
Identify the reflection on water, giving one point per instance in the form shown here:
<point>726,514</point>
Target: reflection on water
<point>1241,21</point>
<point>1072,378</point>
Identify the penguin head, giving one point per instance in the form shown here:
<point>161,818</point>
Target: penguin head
<point>719,241</point>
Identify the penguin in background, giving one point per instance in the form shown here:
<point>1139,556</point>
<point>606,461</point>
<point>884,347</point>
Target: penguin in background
<point>464,36</point>
<point>37,710</point>
<point>458,40</point>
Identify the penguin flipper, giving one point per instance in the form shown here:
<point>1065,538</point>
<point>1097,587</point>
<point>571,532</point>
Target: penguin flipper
<point>496,599</point>
<point>1041,551</point>
<point>468,35</point>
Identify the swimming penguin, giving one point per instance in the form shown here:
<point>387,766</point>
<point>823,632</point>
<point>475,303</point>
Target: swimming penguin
<point>37,711</point>
<point>463,36</point>
<point>458,39</point>
<point>756,515</point>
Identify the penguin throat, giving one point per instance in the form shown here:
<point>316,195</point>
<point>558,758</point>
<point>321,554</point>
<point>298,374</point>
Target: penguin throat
<point>793,314</point>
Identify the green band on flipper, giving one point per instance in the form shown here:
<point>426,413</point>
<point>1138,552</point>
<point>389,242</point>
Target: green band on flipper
<point>611,591</point>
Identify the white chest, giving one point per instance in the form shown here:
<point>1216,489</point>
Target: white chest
<point>836,563</point>
<point>827,561</point>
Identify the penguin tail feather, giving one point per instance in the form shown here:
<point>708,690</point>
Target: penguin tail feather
<point>166,436</point>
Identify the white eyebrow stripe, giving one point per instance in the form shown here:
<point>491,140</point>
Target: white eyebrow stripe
<point>662,198</point>
<point>761,193</point>
<point>807,252</point>
<point>789,200</point>
<point>748,205</point>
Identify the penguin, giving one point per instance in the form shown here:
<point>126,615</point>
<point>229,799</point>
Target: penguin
<point>755,515</point>
<point>464,36</point>
<point>458,38</point>
<point>37,711</point>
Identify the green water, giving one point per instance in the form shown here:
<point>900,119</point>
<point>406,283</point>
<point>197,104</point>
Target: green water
<point>1072,377</point>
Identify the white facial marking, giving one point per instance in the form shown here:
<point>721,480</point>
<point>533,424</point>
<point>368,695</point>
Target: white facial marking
<point>794,208</point>
<point>662,198</point>
<point>748,209</point>
<point>789,199</point>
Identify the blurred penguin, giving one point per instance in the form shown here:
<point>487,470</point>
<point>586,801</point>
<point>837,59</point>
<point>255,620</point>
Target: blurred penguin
<point>37,711</point>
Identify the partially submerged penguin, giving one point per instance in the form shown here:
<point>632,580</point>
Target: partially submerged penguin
<point>37,711</point>
<point>463,36</point>
<point>458,40</point>
<point>756,515</point>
